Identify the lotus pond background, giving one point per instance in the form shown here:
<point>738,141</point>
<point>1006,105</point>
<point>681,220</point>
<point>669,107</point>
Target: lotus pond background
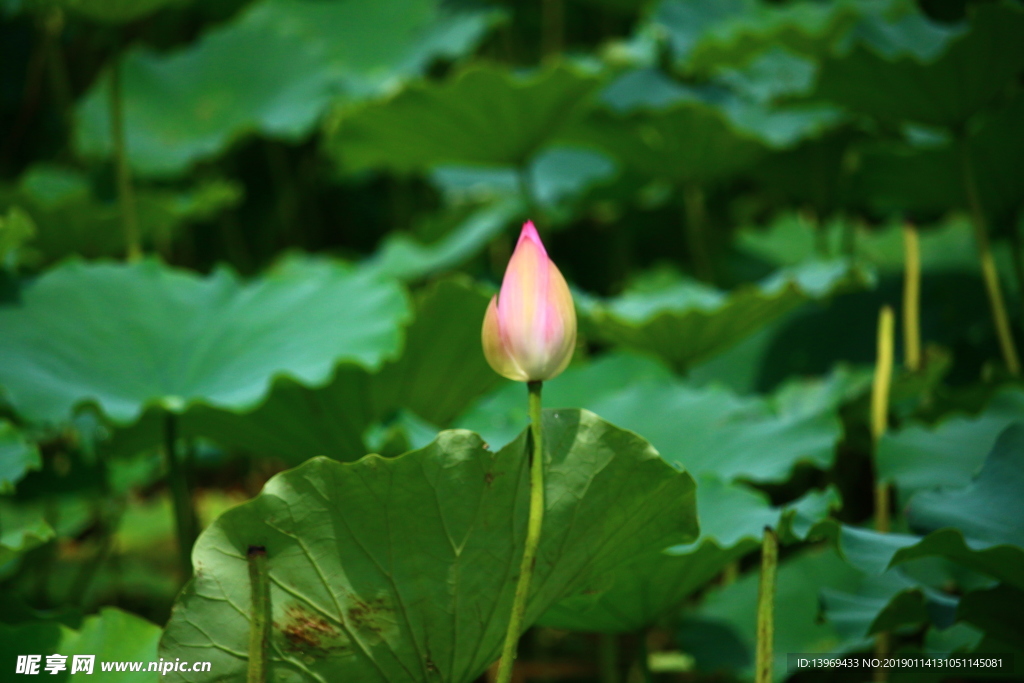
<point>237,235</point>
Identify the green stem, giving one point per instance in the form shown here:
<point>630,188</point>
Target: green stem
<point>608,651</point>
<point>766,606</point>
<point>184,514</point>
<point>988,263</point>
<point>259,629</point>
<point>125,188</point>
<point>880,407</point>
<point>911,298</point>
<point>533,527</point>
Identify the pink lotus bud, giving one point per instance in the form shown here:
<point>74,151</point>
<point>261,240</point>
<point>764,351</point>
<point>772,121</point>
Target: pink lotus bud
<point>529,330</point>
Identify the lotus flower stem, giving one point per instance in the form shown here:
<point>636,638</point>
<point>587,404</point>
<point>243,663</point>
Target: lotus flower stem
<point>259,629</point>
<point>988,264</point>
<point>911,298</point>
<point>184,514</point>
<point>879,422</point>
<point>125,188</point>
<point>766,606</point>
<point>533,528</point>
<point>880,408</point>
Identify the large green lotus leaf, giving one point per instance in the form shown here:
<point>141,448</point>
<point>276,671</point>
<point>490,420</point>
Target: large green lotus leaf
<point>687,322</point>
<point>440,371</point>
<point>274,70</point>
<point>710,34</point>
<point>110,636</point>
<point>707,430</point>
<point>18,455</point>
<point>403,569</point>
<point>405,258</point>
<point>684,140</point>
<point>638,594</point>
<point>988,508</point>
<point>485,115</point>
<point>930,73</point>
<point>797,624</point>
<point>735,115</point>
<point>71,219</point>
<point>919,457</point>
<point>914,178</point>
<point>126,337</point>
<point>977,525</point>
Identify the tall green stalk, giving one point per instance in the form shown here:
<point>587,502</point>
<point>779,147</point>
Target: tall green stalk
<point>880,407</point>
<point>533,527</point>
<point>766,607</point>
<point>125,187</point>
<point>259,628</point>
<point>988,263</point>
<point>911,298</point>
<point>184,514</point>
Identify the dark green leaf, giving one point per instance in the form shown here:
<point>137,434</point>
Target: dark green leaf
<point>274,70</point>
<point>687,322</point>
<point>485,115</point>
<point>916,70</point>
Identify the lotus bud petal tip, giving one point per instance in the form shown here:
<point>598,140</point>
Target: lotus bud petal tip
<point>529,330</point>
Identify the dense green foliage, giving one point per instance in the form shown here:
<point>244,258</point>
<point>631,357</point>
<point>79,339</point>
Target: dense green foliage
<point>245,243</point>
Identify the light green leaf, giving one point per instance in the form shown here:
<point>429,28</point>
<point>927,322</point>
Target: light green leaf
<point>17,456</point>
<point>987,509</point>
<point>403,569</point>
<point>919,457</point>
<point>687,322</point>
<point>110,636</point>
<point>127,337</point>
<point>440,371</point>
<point>485,115</point>
<point>274,70</point>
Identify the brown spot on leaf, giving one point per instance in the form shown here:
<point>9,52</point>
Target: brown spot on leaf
<point>489,479</point>
<point>310,633</point>
<point>369,616</point>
